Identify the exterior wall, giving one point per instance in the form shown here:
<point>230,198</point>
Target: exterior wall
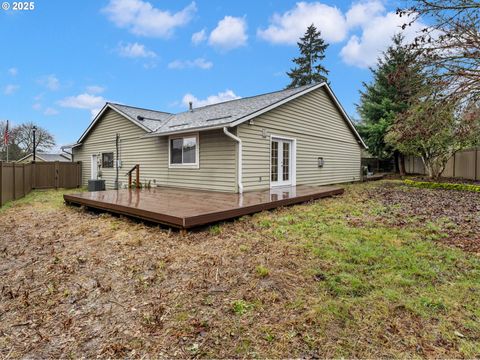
<point>217,152</point>
<point>320,131</point>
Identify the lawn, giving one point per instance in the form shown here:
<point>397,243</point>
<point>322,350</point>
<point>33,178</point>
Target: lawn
<point>384,270</point>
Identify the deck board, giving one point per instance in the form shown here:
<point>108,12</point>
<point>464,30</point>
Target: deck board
<point>184,208</point>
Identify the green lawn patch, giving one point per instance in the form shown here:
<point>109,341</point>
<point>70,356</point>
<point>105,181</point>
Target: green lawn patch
<point>441,185</point>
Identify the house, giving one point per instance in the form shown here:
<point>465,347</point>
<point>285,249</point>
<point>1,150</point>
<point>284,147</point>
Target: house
<point>44,157</point>
<point>285,138</point>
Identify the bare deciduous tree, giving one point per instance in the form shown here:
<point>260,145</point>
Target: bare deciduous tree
<point>450,44</point>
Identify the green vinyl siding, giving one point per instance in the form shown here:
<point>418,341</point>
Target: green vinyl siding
<point>320,131</point>
<point>217,154</point>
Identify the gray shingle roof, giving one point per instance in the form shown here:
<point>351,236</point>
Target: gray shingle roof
<point>223,113</point>
<point>54,157</point>
<point>228,113</point>
<point>151,119</point>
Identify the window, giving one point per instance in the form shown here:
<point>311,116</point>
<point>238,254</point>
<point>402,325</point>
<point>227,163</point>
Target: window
<point>107,160</point>
<point>184,151</point>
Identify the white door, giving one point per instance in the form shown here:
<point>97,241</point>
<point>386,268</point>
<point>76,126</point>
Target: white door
<point>94,171</point>
<point>281,162</point>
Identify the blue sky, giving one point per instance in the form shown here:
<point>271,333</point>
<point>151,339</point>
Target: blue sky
<point>61,61</point>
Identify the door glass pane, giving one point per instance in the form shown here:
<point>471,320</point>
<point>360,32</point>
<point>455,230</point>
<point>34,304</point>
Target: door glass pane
<point>176,151</point>
<point>274,174</point>
<point>189,150</point>
<point>286,161</point>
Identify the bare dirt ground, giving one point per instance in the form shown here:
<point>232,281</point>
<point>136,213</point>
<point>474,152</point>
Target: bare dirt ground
<point>350,276</point>
<point>456,214</point>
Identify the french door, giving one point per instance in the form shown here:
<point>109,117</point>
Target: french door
<point>281,162</point>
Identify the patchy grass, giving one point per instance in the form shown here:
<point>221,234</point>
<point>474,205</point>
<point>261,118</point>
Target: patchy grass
<point>48,199</point>
<point>360,275</point>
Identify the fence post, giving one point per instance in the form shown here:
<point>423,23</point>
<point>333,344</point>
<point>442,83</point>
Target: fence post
<point>23,169</point>
<point>476,164</point>
<point>79,172</point>
<point>1,183</point>
<point>32,175</point>
<point>454,156</point>
<point>56,175</point>
<point>13,182</point>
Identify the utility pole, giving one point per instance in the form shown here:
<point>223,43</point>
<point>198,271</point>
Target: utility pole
<point>34,146</point>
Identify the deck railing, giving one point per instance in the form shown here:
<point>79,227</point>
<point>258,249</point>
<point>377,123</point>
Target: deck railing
<point>136,168</point>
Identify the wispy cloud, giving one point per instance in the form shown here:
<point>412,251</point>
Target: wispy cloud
<point>142,18</point>
<point>199,63</point>
<point>49,111</point>
<point>13,71</point>
<point>51,82</point>
<point>212,99</point>
<point>199,36</point>
<point>135,50</point>
<point>84,101</point>
<point>10,89</point>
<point>95,89</point>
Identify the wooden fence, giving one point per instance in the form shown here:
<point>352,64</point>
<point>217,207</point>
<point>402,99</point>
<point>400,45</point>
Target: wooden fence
<point>464,164</point>
<point>17,180</point>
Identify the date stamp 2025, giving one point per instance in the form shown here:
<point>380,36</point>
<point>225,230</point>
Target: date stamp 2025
<point>18,5</point>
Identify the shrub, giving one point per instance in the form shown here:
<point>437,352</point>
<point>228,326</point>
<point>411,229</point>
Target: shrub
<point>445,186</point>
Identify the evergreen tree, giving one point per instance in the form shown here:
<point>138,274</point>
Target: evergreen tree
<point>309,70</point>
<point>397,80</point>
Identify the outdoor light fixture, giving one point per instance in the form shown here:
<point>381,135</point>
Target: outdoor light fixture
<point>321,162</point>
<point>264,133</point>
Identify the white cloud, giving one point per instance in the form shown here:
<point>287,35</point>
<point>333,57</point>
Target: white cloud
<point>142,18</point>
<point>200,63</point>
<point>10,89</point>
<point>84,101</point>
<point>135,50</point>
<point>361,13</point>
<point>199,36</point>
<point>13,71</point>
<point>288,27</point>
<point>37,106</point>
<point>364,49</point>
<point>95,89</point>
<point>230,33</point>
<point>50,111</point>
<point>212,99</point>
<point>51,82</point>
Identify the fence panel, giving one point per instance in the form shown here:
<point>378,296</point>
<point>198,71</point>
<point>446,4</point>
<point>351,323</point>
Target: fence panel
<point>68,175</point>
<point>44,175</point>
<point>17,180</point>
<point>6,184</point>
<point>464,164</point>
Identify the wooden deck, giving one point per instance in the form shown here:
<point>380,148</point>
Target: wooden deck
<point>189,208</point>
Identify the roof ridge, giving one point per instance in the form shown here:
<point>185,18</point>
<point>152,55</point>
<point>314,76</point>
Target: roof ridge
<point>140,108</point>
<point>250,97</point>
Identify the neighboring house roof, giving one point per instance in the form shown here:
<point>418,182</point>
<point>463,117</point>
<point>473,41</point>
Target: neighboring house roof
<point>225,114</point>
<point>48,157</point>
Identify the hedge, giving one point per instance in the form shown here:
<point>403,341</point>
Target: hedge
<point>445,186</point>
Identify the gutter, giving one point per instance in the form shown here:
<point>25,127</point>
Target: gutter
<point>240,151</point>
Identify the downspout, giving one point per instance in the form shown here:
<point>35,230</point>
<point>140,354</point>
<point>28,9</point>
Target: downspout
<point>117,160</point>
<point>240,150</point>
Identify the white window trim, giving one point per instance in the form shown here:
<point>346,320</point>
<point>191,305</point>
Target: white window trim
<point>293,160</point>
<point>196,165</point>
